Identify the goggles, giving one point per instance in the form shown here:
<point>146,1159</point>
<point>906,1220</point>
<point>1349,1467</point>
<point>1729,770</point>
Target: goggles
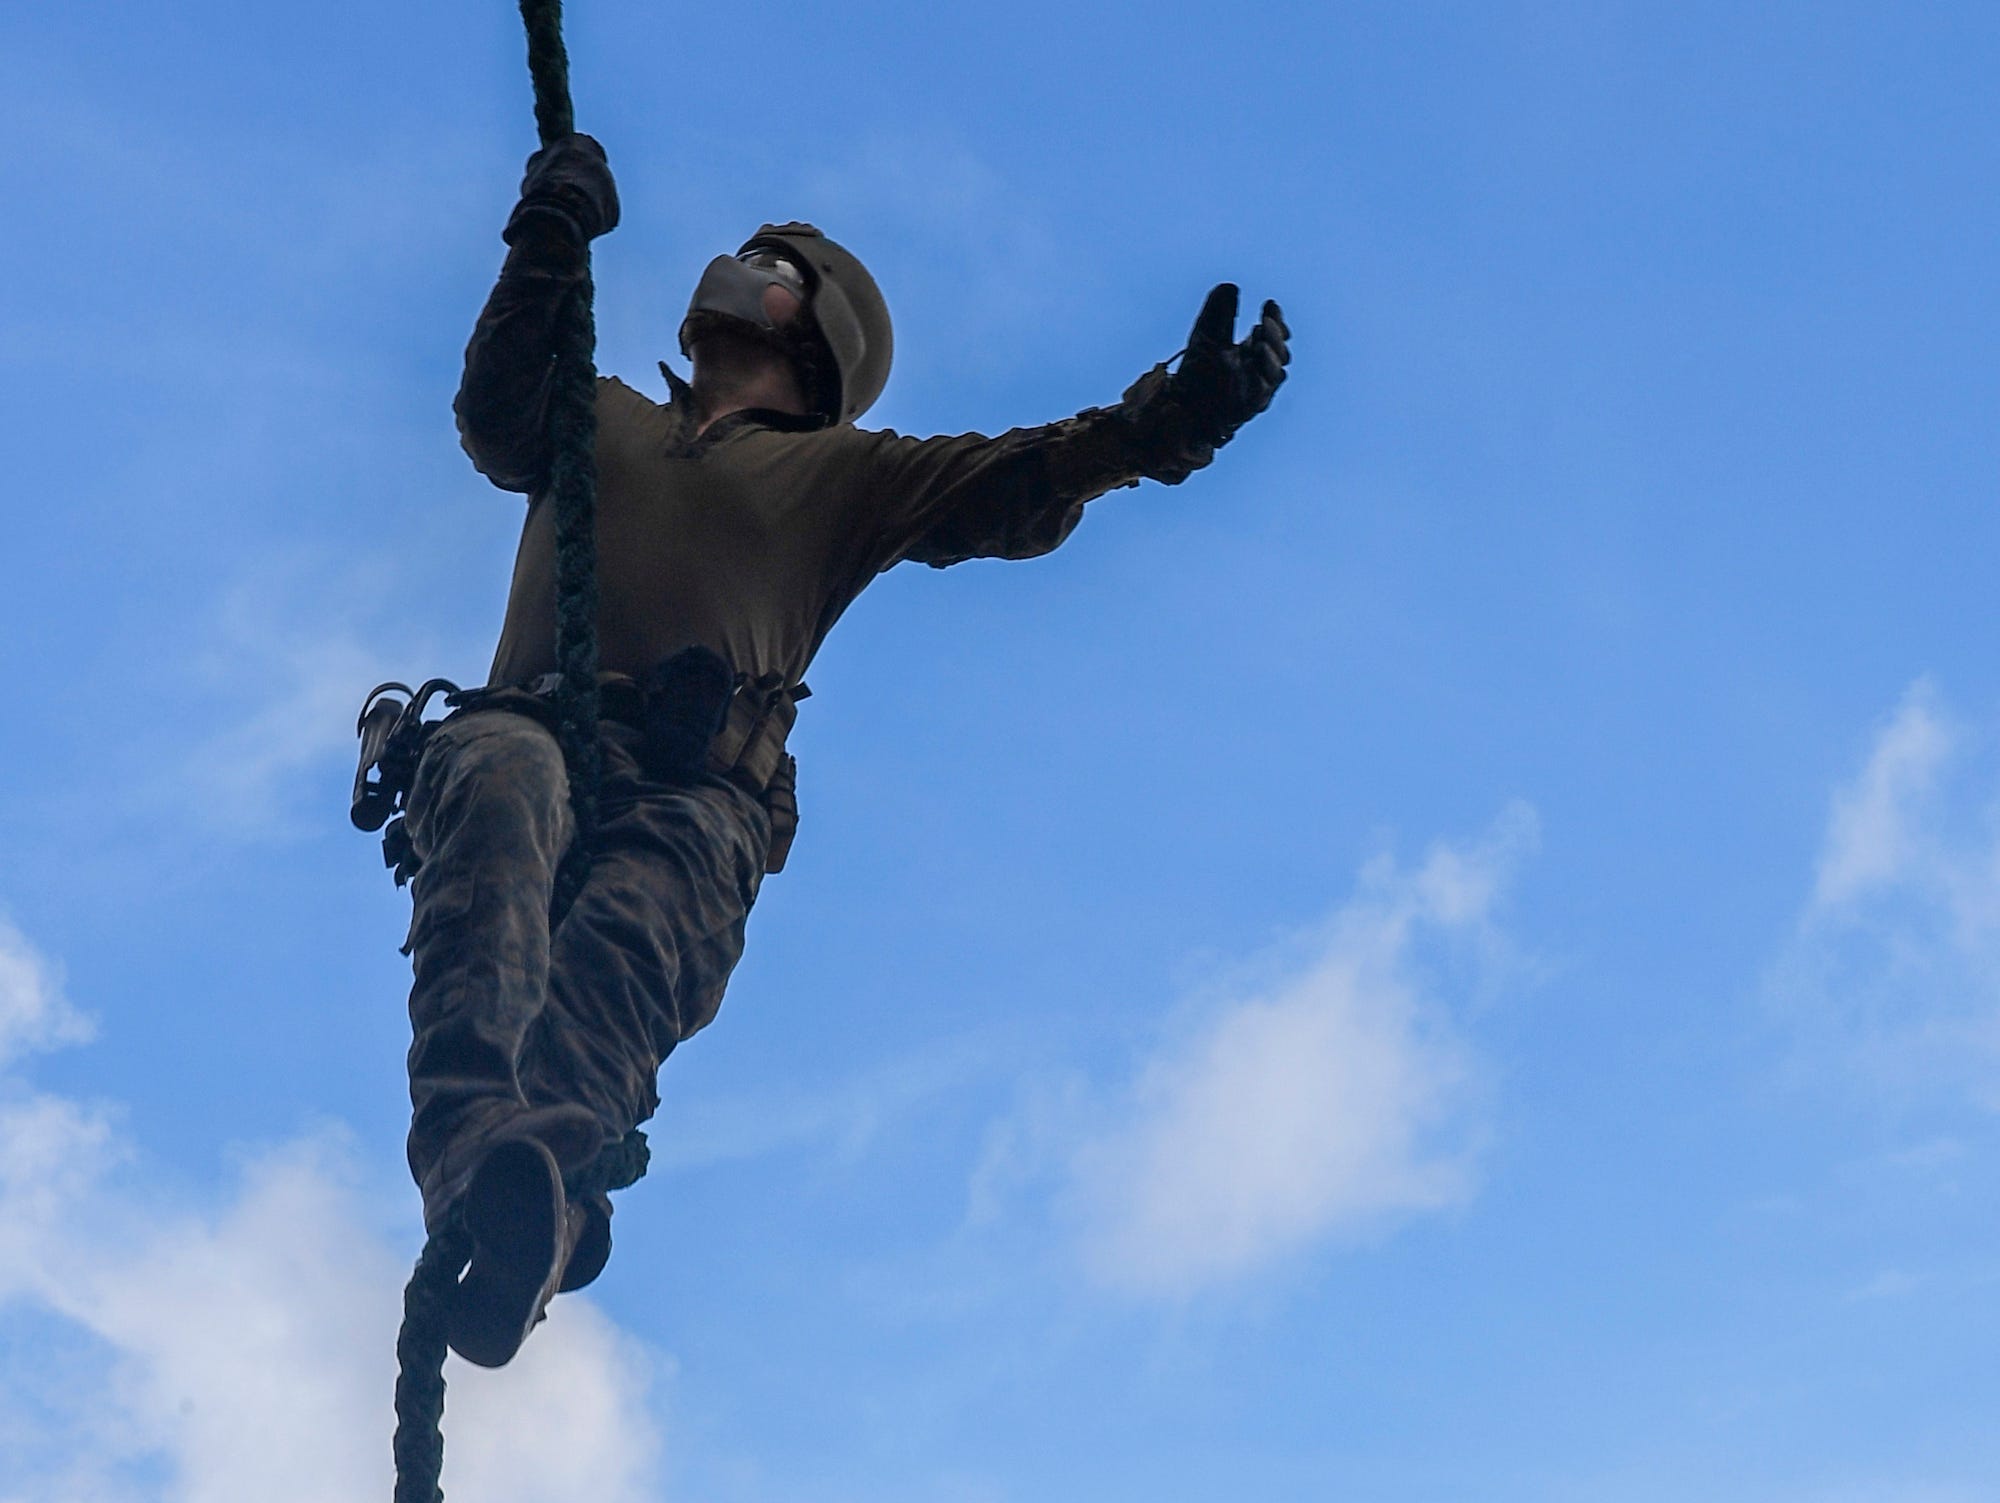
<point>780,266</point>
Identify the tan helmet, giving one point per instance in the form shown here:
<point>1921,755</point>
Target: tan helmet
<point>847,306</point>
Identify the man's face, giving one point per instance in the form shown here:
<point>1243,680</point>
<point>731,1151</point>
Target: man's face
<point>760,298</point>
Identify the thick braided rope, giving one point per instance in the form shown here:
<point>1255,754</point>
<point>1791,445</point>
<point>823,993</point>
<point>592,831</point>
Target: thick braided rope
<point>420,1350</point>
<point>572,481</point>
<point>619,1167</point>
<point>420,1345</point>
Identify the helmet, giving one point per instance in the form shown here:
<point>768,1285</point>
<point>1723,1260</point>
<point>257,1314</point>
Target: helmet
<point>845,304</point>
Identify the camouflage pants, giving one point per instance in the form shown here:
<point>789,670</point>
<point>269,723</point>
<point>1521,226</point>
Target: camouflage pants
<point>507,1016</point>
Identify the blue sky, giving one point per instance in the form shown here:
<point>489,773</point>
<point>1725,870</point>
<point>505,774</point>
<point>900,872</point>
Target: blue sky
<point>1457,953</point>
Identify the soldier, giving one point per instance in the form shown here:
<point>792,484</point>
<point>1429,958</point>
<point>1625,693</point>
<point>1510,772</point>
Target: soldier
<point>735,523</point>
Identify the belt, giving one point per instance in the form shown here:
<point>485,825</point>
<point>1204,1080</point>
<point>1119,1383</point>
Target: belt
<point>748,750</point>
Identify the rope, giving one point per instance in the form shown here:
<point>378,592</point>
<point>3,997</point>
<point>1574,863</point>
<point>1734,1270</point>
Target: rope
<point>572,483</point>
<point>619,1167</point>
<point>420,1345</point>
<point>420,1349</point>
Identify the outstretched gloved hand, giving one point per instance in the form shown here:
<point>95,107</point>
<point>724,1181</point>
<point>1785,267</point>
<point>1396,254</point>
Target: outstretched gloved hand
<point>570,180</point>
<point>1224,384</point>
<point>1182,417</point>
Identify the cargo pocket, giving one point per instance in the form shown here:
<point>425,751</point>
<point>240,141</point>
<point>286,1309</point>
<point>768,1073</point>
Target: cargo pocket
<point>440,901</point>
<point>781,802</point>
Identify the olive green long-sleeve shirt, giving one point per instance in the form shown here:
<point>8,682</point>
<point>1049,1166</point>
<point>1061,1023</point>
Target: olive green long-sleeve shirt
<point>754,537</point>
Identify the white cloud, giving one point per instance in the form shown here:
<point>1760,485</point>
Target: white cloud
<point>844,1119</point>
<point>247,1352</point>
<point>287,657</point>
<point>1892,974</point>
<point>926,203</point>
<point>33,1011</point>
<point>1871,839</point>
<point>1890,1283</point>
<point>1325,1100</point>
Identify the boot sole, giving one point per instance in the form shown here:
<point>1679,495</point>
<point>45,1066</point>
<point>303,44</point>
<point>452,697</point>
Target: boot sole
<point>514,1211</point>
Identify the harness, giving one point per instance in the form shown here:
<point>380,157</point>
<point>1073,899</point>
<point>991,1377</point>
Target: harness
<point>695,717</point>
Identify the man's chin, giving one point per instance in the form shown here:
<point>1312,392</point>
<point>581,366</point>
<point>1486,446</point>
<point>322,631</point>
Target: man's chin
<point>723,334</point>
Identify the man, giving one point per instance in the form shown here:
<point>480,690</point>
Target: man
<point>735,524</point>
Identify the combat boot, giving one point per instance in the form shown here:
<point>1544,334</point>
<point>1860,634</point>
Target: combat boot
<point>523,1235</point>
<point>590,1241</point>
<point>572,1135</point>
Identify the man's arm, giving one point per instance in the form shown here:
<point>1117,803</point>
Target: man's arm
<point>567,199</point>
<point>1019,495</point>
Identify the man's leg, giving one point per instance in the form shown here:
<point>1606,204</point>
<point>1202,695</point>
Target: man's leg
<point>490,819</point>
<point>642,959</point>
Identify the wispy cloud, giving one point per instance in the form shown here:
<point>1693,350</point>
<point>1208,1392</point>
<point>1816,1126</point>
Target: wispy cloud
<point>1892,973</point>
<point>1324,1098</point>
<point>1890,1283</point>
<point>285,660</point>
<point>34,1013</point>
<point>1874,838</point>
<point>844,1119</point>
<point>934,204</point>
<point>246,1352</point>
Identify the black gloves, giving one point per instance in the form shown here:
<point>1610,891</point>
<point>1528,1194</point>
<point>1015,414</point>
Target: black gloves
<point>1224,384</point>
<point>569,181</point>
<point>1181,418</point>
